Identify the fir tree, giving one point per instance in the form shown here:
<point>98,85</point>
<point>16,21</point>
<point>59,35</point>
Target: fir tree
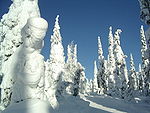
<point>111,64</point>
<point>132,84</point>
<point>145,61</point>
<point>141,80</point>
<point>10,39</point>
<point>56,64</point>
<point>95,81</point>
<point>101,69</point>
<point>121,75</point>
<point>77,79</point>
<point>145,16</point>
<point>132,73</point>
<point>71,66</point>
<point>74,73</point>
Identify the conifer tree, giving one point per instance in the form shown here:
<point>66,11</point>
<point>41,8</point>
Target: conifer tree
<point>71,67</point>
<point>101,69</point>
<point>95,81</point>
<point>77,79</point>
<point>145,16</point>
<point>10,39</point>
<point>111,64</point>
<point>132,73</point>
<point>141,80</point>
<point>74,72</point>
<point>121,75</point>
<point>71,64</point>
<point>132,84</point>
<point>145,61</point>
<point>56,64</point>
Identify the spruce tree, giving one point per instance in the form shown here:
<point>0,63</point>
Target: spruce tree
<point>132,72</point>
<point>95,81</point>
<point>121,75</point>
<point>141,80</point>
<point>145,16</point>
<point>111,64</point>
<point>56,65</point>
<point>74,72</point>
<point>145,61</point>
<point>101,69</point>
<point>10,40</point>
<point>132,84</point>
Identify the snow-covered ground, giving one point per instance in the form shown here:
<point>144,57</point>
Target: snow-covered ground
<point>83,104</point>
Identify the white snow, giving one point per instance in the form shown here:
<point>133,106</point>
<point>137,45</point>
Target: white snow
<point>82,104</point>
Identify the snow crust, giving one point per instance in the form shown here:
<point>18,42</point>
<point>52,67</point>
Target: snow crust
<point>82,104</point>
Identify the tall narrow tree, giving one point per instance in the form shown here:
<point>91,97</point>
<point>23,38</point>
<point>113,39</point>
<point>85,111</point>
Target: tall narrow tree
<point>132,84</point>
<point>121,75</point>
<point>56,65</point>
<point>10,39</point>
<point>95,81</point>
<point>71,66</point>
<point>111,64</point>
<point>145,61</point>
<point>141,80</point>
<point>101,69</point>
<point>145,16</point>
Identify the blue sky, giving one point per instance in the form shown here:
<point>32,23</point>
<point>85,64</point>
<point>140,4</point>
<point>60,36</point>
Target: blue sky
<point>84,20</point>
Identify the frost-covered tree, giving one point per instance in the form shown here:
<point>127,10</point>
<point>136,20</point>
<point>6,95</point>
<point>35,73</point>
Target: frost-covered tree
<point>132,84</point>
<point>10,39</point>
<point>87,87</point>
<point>82,84</point>
<point>141,80</point>
<point>145,61</point>
<point>95,80</point>
<point>132,73</point>
<point>12,23</point>
<point>143,48</point>
<point>56,63</point>
<point>111,64</point>
<point>75,71</point>
<point>145,16</point>
<point>145,11</point>
<point>101,75</point>
<point>71,67</point>
<point>77,79</point>
<point>121,75</point>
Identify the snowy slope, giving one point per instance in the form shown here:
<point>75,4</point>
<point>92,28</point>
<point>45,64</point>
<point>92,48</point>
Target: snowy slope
<point>82,104</point>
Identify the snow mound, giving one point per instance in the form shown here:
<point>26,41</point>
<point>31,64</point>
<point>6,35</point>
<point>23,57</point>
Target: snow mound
<point>29,106</point>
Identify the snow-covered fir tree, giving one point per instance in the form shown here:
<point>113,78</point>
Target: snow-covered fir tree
<point>10,39</point>
<point>145,11</point>
<point>71,66</point>
<point>12,23</point>
<point>95,80</point>
<point>111,64</point>
<point>56,63</point>
<point>145,61</point>
<point>143,48</point>
<point>132,73</point>
<point>82,84</point>
<point>79,73</point>
<point>132,84</point>
<point>145,16</point>
<point>101,74</point>
<point>88,87</point>
<point>141,80</point>
<point>121,74</point>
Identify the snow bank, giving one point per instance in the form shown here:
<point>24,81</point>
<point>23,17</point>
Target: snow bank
<point>29,106</point>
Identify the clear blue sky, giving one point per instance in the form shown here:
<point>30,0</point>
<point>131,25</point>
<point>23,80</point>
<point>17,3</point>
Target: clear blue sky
<point>84,20</point>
